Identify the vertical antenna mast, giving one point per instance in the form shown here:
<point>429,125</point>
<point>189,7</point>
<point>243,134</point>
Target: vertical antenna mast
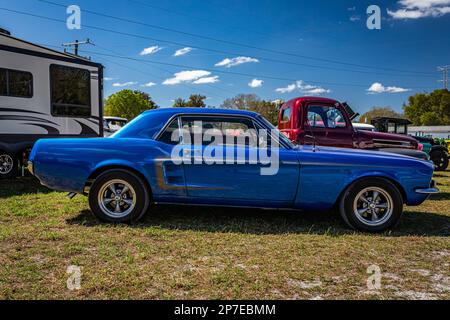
<point>444,71</point>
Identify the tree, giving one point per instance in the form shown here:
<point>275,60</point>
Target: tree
<point>252,102</point>
<point>196,101</point>
<point>128,104</point>
<point>379,112</point>
<point>429,109</point>
<point>241,101</point>
<point>179,103</point>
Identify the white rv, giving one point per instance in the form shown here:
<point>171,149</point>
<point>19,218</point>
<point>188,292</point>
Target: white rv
<point>44,94</point>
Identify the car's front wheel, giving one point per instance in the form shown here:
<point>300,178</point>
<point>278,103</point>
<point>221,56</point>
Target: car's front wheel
<point>371,205</point>
<point>119,196</point>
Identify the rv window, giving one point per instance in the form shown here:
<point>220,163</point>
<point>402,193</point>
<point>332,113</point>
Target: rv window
<point>3,86</point>
<point>15,83</point>
<point>20,84</point>
<point>70,91</point>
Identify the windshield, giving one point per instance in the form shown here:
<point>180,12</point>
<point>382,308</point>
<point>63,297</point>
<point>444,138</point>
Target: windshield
<point>282,138</point>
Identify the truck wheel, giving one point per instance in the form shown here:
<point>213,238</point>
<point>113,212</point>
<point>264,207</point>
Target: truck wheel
<point>118,196</point>
<point>440,160</point>
<point>8,165</point>
<point>371,205</point>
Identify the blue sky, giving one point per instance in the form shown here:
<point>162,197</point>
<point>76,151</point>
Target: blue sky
<point>297,47</point>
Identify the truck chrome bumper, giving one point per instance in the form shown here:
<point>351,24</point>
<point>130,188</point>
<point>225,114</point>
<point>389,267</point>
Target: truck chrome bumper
<point>427,191</point>
<point>431,190</point>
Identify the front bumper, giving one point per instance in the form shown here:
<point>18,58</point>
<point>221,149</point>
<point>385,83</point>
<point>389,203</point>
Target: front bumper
<point>431,190</point>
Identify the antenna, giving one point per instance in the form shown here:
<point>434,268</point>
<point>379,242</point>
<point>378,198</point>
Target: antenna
<point>444,70</point>
<point>312,133</point>
<point>76,44</point>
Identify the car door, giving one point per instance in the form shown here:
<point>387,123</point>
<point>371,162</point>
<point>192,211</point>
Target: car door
<point>237,176</point>
<point>329,126</point>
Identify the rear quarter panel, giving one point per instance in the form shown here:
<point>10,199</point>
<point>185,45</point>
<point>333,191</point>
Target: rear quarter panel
<point>66,164</point>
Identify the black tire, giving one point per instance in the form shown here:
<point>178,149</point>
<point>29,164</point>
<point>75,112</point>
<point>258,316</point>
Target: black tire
<point>440,160</point>
<point>388,218</point>
<point>8,165</point>
<point>136,187</point>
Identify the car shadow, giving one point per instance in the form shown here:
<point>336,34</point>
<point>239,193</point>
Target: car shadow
<point>269,222</point>
<point>20,186</point>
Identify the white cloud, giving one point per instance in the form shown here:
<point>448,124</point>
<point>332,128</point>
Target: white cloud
<point>150,50</point>
<point>351,8</point>
<point>354,18</point>
<point>287,89</point>
<point>125,84</point>
<point>416,9</point>
<point>255,83</point>
<point>182,52</point>
<point>109,78</point>
<point>192,76</point>
<point>148,84</point>
<point>228,63</point>
<point>303,88</point>
<point>377,87</point>
<point>205,80</point>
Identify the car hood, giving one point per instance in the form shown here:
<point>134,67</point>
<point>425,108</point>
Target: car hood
<point>359,153</point>
<point>386,136</point>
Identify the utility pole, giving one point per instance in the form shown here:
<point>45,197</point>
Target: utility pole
<point>76,44</point>
<point>444,71</point>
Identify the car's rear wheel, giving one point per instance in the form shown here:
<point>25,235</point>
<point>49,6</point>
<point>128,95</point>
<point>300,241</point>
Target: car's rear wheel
<point>8,165</point>
<point>119,196</point>
<point>371,205</point>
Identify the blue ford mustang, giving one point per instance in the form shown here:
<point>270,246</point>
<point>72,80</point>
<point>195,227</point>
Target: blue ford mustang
<point>124,174</point>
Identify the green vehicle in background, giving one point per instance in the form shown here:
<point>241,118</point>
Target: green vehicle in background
<point>437,149</point>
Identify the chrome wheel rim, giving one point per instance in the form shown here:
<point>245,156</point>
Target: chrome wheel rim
<point>373,206</point>
<point>6,163</point>
<point>117,198</point>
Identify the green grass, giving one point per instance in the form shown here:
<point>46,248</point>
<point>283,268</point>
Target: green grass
<point>215,253</point>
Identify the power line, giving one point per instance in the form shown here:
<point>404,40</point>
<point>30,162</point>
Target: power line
<point>243,45</point>
<point>248,75</point>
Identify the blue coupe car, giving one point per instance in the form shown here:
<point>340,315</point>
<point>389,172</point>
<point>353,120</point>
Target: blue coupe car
<point>228,158</point>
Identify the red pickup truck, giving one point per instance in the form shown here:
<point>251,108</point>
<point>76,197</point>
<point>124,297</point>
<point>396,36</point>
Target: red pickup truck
<point>327,122</point>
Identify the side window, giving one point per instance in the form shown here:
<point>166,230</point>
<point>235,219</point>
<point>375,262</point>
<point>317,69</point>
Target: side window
<point>16,83</point>
<point>286,115</point>
<point>315,117</point>
<point>3,84</point>
<point>70,91</point>
<point>401,129</point>
<point>325,117</point>
<point>232,131</point>
<point>168,135</point>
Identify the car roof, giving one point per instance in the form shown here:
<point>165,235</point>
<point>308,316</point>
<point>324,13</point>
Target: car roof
<point>206,111</point>
<point>311,98</point>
